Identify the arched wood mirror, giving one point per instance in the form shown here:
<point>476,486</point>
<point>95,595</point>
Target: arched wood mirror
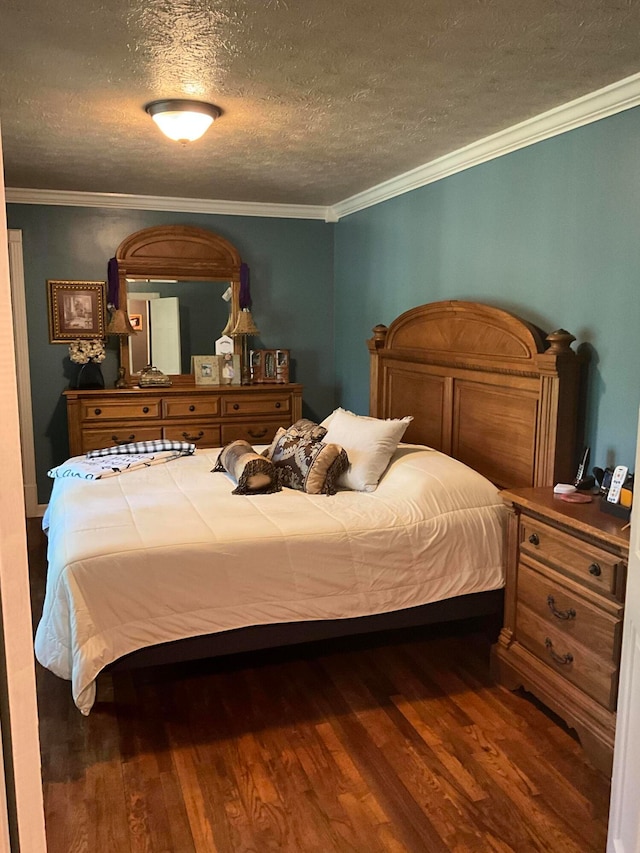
<point>181,286</point>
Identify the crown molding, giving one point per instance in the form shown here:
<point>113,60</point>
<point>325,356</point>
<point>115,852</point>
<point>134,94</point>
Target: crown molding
<point>619,96</point>
<point>121,201</point>
<point>597,105</point>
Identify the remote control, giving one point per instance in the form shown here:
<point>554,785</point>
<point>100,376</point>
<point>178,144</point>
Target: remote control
<point>617,482</point>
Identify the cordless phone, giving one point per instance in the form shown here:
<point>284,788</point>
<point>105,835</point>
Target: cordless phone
<point>617,482</point>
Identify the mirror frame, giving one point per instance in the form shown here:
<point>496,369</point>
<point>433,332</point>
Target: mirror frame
<point>182,252</point>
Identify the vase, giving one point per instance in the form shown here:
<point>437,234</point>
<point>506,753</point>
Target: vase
<point>90,376</point>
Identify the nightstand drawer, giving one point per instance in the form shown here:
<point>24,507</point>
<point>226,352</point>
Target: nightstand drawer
<point>202,435</point>
<point>96,439</point>
<point>577,663</point>
<point>591,565</point>
<point>569,613</point>
<point>188,407</point>
<point>121,410</point>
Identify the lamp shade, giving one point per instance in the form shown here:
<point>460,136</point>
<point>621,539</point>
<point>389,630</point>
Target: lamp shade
<point>183,120</point>
<point>119,323</point>
<point>245,324</point>
<point>228,329</point>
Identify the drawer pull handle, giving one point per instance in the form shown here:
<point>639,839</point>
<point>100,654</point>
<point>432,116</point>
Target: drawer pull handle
<point>534,539</point>
<point>561,659</point>
<point>560,614</point>
<point>97,411</point>
<point>254,433</point>
<point>595,570</point>
<point>145,410</point>
<point>117,440</point>
<point>192,408</point>
<point>236,406</point>
<point>278,405</point>
<point>188,437</point>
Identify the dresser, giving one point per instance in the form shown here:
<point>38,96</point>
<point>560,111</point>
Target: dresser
<point>207,415</point>
<point>566,570</point>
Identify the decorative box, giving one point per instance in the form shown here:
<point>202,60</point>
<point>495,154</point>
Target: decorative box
<point>269,365</point>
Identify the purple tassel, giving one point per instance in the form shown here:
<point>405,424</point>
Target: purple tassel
<point>113,280</point>
<point>245,292</point>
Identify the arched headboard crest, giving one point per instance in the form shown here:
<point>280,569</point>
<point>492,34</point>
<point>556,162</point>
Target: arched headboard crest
<point>483,386</point>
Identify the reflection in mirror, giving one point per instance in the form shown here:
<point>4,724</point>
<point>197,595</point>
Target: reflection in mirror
<point>174,320</point>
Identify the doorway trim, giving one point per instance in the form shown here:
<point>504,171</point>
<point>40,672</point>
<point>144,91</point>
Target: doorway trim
<point>23,373</point>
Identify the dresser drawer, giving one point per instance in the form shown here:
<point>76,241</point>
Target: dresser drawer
<point>569,613</point>
<point>254,433</point>
<point>258,405</point>
<point>577,663</point>
<point>121,410</point>
<point>591,565</point>
<point>189,407</point>
<point>202,435</point>
<point>95,439</point>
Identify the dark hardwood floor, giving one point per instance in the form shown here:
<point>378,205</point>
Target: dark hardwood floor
<point>395,743</point>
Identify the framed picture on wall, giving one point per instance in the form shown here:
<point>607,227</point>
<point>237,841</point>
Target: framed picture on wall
<point>206,369</point>
<point>77,310</point>
<point>136,322</point>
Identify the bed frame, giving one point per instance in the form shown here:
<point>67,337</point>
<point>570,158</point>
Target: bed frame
<point>484,387</point>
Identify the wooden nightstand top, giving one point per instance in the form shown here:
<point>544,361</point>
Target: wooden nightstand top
<point>587,518</point>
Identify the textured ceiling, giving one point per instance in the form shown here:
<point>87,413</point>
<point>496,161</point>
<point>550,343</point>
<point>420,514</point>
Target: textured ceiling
<point>321,99</point>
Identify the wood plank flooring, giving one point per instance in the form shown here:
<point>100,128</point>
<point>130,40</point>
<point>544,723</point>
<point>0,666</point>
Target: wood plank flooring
<point>395,743</point>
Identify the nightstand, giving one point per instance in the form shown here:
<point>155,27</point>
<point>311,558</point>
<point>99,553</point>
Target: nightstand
<point>566,570</point>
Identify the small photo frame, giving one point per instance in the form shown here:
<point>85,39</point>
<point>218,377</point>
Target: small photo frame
<point>206,369</point>
<point>230,369</point>
<point>77,310</point>
<point>136,322</point>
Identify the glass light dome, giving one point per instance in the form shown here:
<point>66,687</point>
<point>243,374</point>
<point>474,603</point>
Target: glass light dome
<point>183,120</point>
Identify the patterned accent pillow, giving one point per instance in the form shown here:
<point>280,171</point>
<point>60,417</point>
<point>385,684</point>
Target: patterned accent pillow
<point>253,473</point>
<point>306,464</point>
<point>304,428</point>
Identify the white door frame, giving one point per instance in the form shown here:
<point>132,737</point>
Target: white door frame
<point>18,709</point>
<point>23,372</point>
<point>624,813</point>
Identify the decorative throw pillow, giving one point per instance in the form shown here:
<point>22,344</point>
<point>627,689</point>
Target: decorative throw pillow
<point>253,473</point>
<point>370,443</point>
<point>306,464</point>
<point>304,428</point>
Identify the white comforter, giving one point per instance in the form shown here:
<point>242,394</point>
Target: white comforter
<point>168,552</point>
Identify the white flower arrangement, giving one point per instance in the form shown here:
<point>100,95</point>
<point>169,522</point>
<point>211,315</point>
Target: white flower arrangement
<point>81,352</point>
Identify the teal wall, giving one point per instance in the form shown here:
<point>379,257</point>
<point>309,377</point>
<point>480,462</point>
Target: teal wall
<point>291,263</point>
<point>551,233</point>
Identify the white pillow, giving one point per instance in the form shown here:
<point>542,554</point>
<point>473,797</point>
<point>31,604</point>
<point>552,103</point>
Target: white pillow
<point>370,443</point>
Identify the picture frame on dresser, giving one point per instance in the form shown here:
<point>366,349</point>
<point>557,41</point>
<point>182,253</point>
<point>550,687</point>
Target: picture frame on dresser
<point>206,369</point>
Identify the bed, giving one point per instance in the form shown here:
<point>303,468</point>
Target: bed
<point>165,564</point>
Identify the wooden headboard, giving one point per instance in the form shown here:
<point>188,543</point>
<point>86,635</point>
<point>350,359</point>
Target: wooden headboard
<point>483,386</point>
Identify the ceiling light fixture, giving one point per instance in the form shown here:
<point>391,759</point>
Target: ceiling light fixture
<point>183,120</point>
